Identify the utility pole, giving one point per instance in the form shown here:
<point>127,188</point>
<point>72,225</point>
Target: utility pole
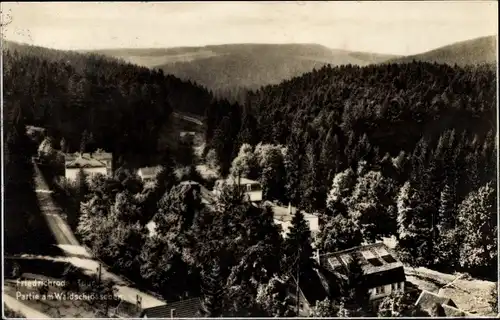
<point>99,271</point>
<point>297,281</point>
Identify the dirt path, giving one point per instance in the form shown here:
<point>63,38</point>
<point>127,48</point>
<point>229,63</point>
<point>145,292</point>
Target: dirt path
<point>52,212</point>
<point>23,309</point>
<point>76,254</point>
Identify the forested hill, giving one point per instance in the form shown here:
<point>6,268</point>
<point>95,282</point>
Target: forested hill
<point>476,51</point>
<point>338,116</point>
<point>224,67</point>
<point>112,104</point>
<point>405,150</point>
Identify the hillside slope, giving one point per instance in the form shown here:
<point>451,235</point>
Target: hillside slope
<point>92,100</point>
<point>242,65</point>
<point>470,52</point>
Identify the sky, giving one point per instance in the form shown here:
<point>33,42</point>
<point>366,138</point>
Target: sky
<point>382,27</point>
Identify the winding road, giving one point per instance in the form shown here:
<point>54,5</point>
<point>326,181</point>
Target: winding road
<point>75,253</point>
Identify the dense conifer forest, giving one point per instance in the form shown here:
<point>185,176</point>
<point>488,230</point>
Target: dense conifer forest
<point>412,145</point>
<point>103,102</point>
<point>405,150</point>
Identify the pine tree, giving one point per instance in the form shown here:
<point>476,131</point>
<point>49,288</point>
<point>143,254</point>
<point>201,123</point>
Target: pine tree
<point>329,158</point>
<point>293,173</point>
<point>313,194</point>
<point>298,243</point>
<point>447,209</point>
<point>213,291</point>
<point>356,290</point>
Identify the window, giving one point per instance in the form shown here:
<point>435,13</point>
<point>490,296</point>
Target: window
<point>379,290</point>
<point>249,187</point>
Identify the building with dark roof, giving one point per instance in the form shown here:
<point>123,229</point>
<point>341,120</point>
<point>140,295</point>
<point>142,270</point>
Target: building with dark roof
<point>428,300</point>
<point>383,273</point>
<point>189,308</point>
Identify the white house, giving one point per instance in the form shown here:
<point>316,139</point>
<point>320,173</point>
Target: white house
<point>148,174</point>
<point>99,155</point>
<point>252,188</point>
<point>89,165</point>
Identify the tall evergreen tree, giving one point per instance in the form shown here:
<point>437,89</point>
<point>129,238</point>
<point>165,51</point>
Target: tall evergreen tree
<point>292,160</point>
<point>213,291</point>
<point>298,243</point>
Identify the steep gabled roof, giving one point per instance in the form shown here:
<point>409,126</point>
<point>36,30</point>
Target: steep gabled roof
<point>455,312</point>
<point>373,258</point>
<point>85,162</point>
<point>99,155</point>
<point>380,265</point>
<point>428,299</point>
<point>190,308</point>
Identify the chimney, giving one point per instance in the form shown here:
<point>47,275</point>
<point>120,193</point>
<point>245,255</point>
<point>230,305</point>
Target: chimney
<point>289,208</point>
<point>172,313</point>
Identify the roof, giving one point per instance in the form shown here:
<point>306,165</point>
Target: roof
<point>312,288</point>
<point>149,171</point>
<point>243,181</point>
<point>206,172</point>
<point>126,309</point>
<point>85,162</point>
<point>455,312</point>
<point>187,133</point>
<point>380,264</point>
<point>189,308</point>
<point>254,194</point>
<point>428,299</point>
<point>189,183</point>
<point>99,155</point>
<point>151,225</point>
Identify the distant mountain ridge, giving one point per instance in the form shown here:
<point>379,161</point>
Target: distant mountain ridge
<point>481,50</point>
<point>243,65</point>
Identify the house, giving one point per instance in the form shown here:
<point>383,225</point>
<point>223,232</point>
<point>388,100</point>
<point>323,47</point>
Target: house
<point>428,301</point>
<point>283,216</point>
<point>189,308</point>
<point>383,273</point>
<point>88,164</point>
<point>99,155</point>
<point>252,188</point>
<point>148,174</point>
<point>187,134</point>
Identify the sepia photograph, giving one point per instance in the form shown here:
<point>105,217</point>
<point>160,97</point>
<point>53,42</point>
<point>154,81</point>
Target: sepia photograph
<point>232,159</point>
